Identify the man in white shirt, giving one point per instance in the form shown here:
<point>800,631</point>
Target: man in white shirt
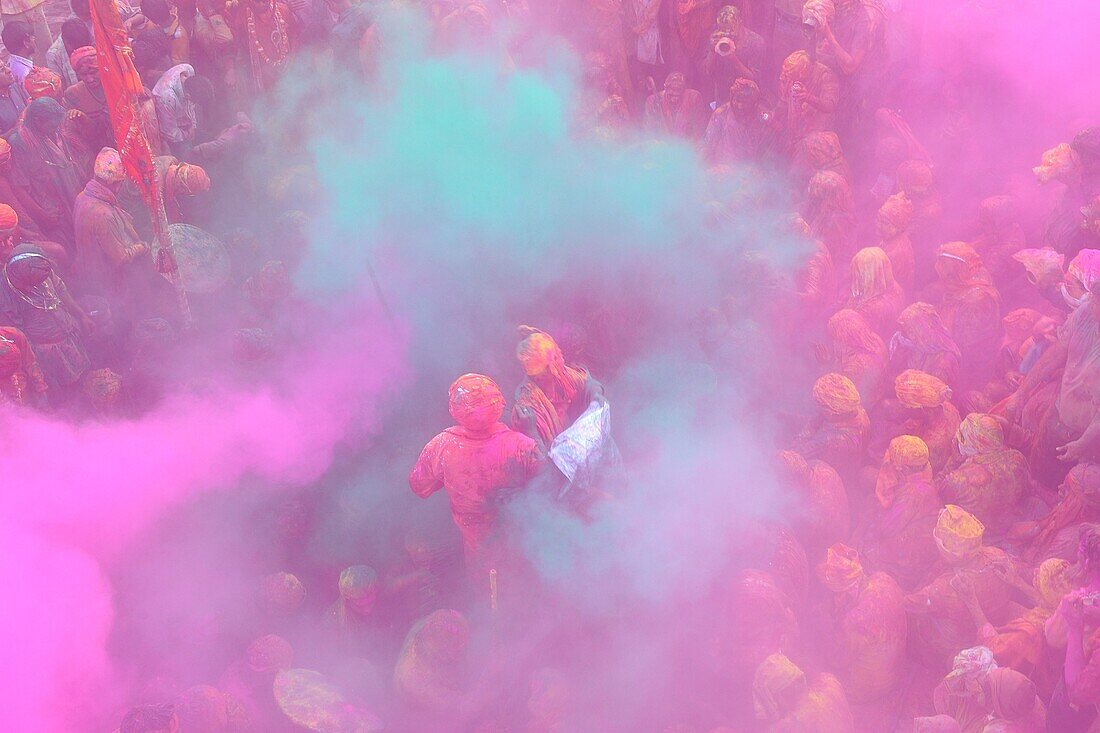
<point>18,38</point>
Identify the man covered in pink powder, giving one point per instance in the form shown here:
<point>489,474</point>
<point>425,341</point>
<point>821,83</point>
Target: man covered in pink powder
<point>476,461</point>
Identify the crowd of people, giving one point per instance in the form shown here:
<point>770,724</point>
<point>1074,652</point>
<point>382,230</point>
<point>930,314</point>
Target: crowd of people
<point>937,563</point>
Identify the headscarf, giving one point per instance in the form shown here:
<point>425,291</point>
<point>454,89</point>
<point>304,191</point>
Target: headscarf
<point>1081,500</point>
<point>1053,580</point>
<point>9,220</point>
<point>978,434</point>
<point>729,15</point>
<point>821,150</point>
<point>187,179</point>
<point>357,581</point>
<point>42,82</point>
<point>538,352</point>
<point>83,59</point>
<point>31,275</point>
<point>872,274</point>
<point>108,166</point>
<point>915,177</point>
<point>849,329</point>
<point>905,456</point>
<point>1040,264</point>
<point>443,636</point>
<point>836,394</point>
<point>1057,162</point>
<point>103,387</point>
<point>5,150</point>
<point>829,188</point>
<point>43,115</point>
<point>964,254</point>
<point>774,675</point>
<point>921,328</point>
<point>936,724</point>
<point>896,213</point>
<point>269,653</point>
<point>841,570</point>
<point>968,673</point>
<point>917,389</point>
<point>796,67</point>
<point>1081,275</point>
<point>958,533</point>
<point>476,402</point>
<point>1011,694</point>
<point>818,12</point>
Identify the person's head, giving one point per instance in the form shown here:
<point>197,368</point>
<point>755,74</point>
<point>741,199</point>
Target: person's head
<point>836,395</point>
<point>841,572</point>
<point>75,34</point>
<point>1091,212</point>
<point>744,96</point>
<point>269,654</point>
<point>86,66</point>
<point>281,594</point>
<point>9,231</point>
<point>915,178</point>
<point>200,91</point>
<point>729,20</point>
<point>108,168</point>
<point>269,286</point>
<point>1053,580</point>
<point>956,263</point>
<point>797,67</point>
<point>202,709</point>
<point>829,190</point>
<point>958,534</point>
<point>1088,553</point>
<point>6,77</point>
<point>675,84</point>
<point>359,588</point>
<point>187,179</point>
<point>42,82</point>
<point>157,11</point>
<point>538,353</point>
<point>18,38</point>
<point>152,54</point>
<point>872,273</point>
<point>443,637</point>
<point>81,9</point>
<point>44,116</point>
<point>158,718</point>
<point>894,216</point>
<point>1060,163</point>
<point>777,686</point>
<point>476,402</point>
<point>996,214</point>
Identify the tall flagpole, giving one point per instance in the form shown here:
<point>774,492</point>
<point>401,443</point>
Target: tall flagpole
<point>122,89</point>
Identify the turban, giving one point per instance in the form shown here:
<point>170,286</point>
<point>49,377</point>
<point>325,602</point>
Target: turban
<point>1053,580</point>
<point>915,177</point>
<point>841,570</point>
<point>970,669</point>
<point>188,180</point>
<point>836,394</point>
<point>906,455</point>
<point>42,82</point>
<point>896,213</point>
<point>958,533</point>
<point>936,724</point>
<point>961,252</point>
<point>476,402</point>
<point>443,636</point>
<point>5,151</point>
<point>282,593</point>
<point>83,59</point>
<point>919,389</point>
<point>103,387</point>
<point>1040,264</point>
<point>908,451</point>
<point>357,582</point>
<point>1011,694</point>
<point>8,220</point>
<point>108,166</point>
<point>269,654</point>
<point>979,433</point>
<point>538,353</point>
<point>1057,161</point>
<point>872,274</point>
<point>774,675</point>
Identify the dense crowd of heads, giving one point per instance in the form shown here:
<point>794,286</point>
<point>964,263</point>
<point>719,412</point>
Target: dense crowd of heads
<point>840,305</point>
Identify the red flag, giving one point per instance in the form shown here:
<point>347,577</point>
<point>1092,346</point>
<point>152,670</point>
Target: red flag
<point>123,91</point>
